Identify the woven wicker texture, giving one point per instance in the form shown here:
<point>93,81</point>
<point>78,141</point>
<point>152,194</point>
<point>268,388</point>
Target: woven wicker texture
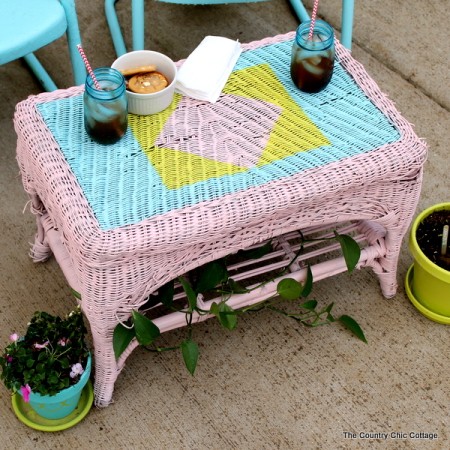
<point>262,129</point>
<point>201,181</point>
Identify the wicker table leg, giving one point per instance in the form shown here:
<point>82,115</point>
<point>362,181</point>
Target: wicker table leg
<point>40,250</point>
<point>396,223</point>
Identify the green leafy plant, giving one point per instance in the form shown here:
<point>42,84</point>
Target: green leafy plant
<point>214,278</point>
<point>50,357</point>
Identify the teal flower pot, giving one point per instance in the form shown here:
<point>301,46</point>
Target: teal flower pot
<point>64,402</point>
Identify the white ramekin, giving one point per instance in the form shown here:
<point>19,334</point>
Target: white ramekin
<point>155,102</point>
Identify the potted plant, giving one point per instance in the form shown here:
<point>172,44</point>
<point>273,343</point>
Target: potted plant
<point>47,368</point>
<point>428,279</point>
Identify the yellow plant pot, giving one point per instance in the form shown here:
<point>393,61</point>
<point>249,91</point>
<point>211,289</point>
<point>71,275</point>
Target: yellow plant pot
<point>428,285</point>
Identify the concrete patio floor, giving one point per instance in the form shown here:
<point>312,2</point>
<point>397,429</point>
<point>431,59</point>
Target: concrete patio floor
<point>269,384</point>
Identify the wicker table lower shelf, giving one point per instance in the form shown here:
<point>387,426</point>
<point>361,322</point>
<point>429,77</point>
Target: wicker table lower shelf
<point>323,258</point>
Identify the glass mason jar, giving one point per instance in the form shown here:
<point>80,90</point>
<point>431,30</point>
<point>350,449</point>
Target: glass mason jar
<point>312,60</point>
<point>105,110</point>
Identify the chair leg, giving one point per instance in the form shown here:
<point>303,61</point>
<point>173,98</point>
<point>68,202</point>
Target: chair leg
<point>137,18</point>
<point>114,27</point>
<point>348,7</point>
<point>347,19</point>
<point>41,74</point>
<point>300,10</point>
<point>73,39</point>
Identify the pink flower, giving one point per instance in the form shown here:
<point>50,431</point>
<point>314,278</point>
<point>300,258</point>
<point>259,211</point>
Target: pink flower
<point>26,391</point>
<point>77,369</point>
<point>9,359</point>
<point>14,337</point>
<point>63,342</point>
<point>39,346</point>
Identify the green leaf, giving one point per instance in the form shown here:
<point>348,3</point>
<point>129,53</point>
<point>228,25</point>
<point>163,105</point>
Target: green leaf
<point>256,253</point>
<point>307,288</point>
<point>289,289</point>
<point>190,293</point>
<point>236,288</point>
<point>76,294</point>
<point>211,275</point>
<point>65,363</point>
<point>121,338</point>
<point>328,309</point>
<point>165,294</point>
<point>214,309</point>
<point>350,250</point>
<point>53,378</point>
<point>146,331</point>
<point>309,305</point>
<point>227,317</point>
<point>353,326</point>
<point>40,376</point>
<point>189,350</point>
<point>225,314</point>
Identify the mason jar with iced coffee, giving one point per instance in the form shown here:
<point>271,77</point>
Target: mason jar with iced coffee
<point>312,59</point>
<point>105,106</point>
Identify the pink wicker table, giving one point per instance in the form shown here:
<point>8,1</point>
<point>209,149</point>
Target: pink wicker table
<point>200,181</point>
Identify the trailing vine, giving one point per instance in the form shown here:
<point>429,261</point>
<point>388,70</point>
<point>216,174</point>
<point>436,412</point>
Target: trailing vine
<point>214,278</point>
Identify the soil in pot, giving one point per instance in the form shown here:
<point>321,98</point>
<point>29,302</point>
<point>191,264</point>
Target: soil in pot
<point>429,238</point>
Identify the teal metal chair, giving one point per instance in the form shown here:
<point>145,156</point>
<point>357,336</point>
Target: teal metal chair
<point>28,25</point>
<point>348,7</point>
<point>137,20</point>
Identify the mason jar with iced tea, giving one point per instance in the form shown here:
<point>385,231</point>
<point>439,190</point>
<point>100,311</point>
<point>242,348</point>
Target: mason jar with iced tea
<point>105,109</point>
<point>312,59</point>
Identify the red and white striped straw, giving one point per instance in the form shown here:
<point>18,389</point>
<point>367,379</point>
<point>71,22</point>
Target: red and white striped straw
<point>88,67</point>
<point>313,19</point>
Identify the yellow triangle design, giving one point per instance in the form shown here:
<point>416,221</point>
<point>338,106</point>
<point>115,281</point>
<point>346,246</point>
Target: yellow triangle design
<point>178,169</point>
<point>293,132</point>
<point>146,129</point>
